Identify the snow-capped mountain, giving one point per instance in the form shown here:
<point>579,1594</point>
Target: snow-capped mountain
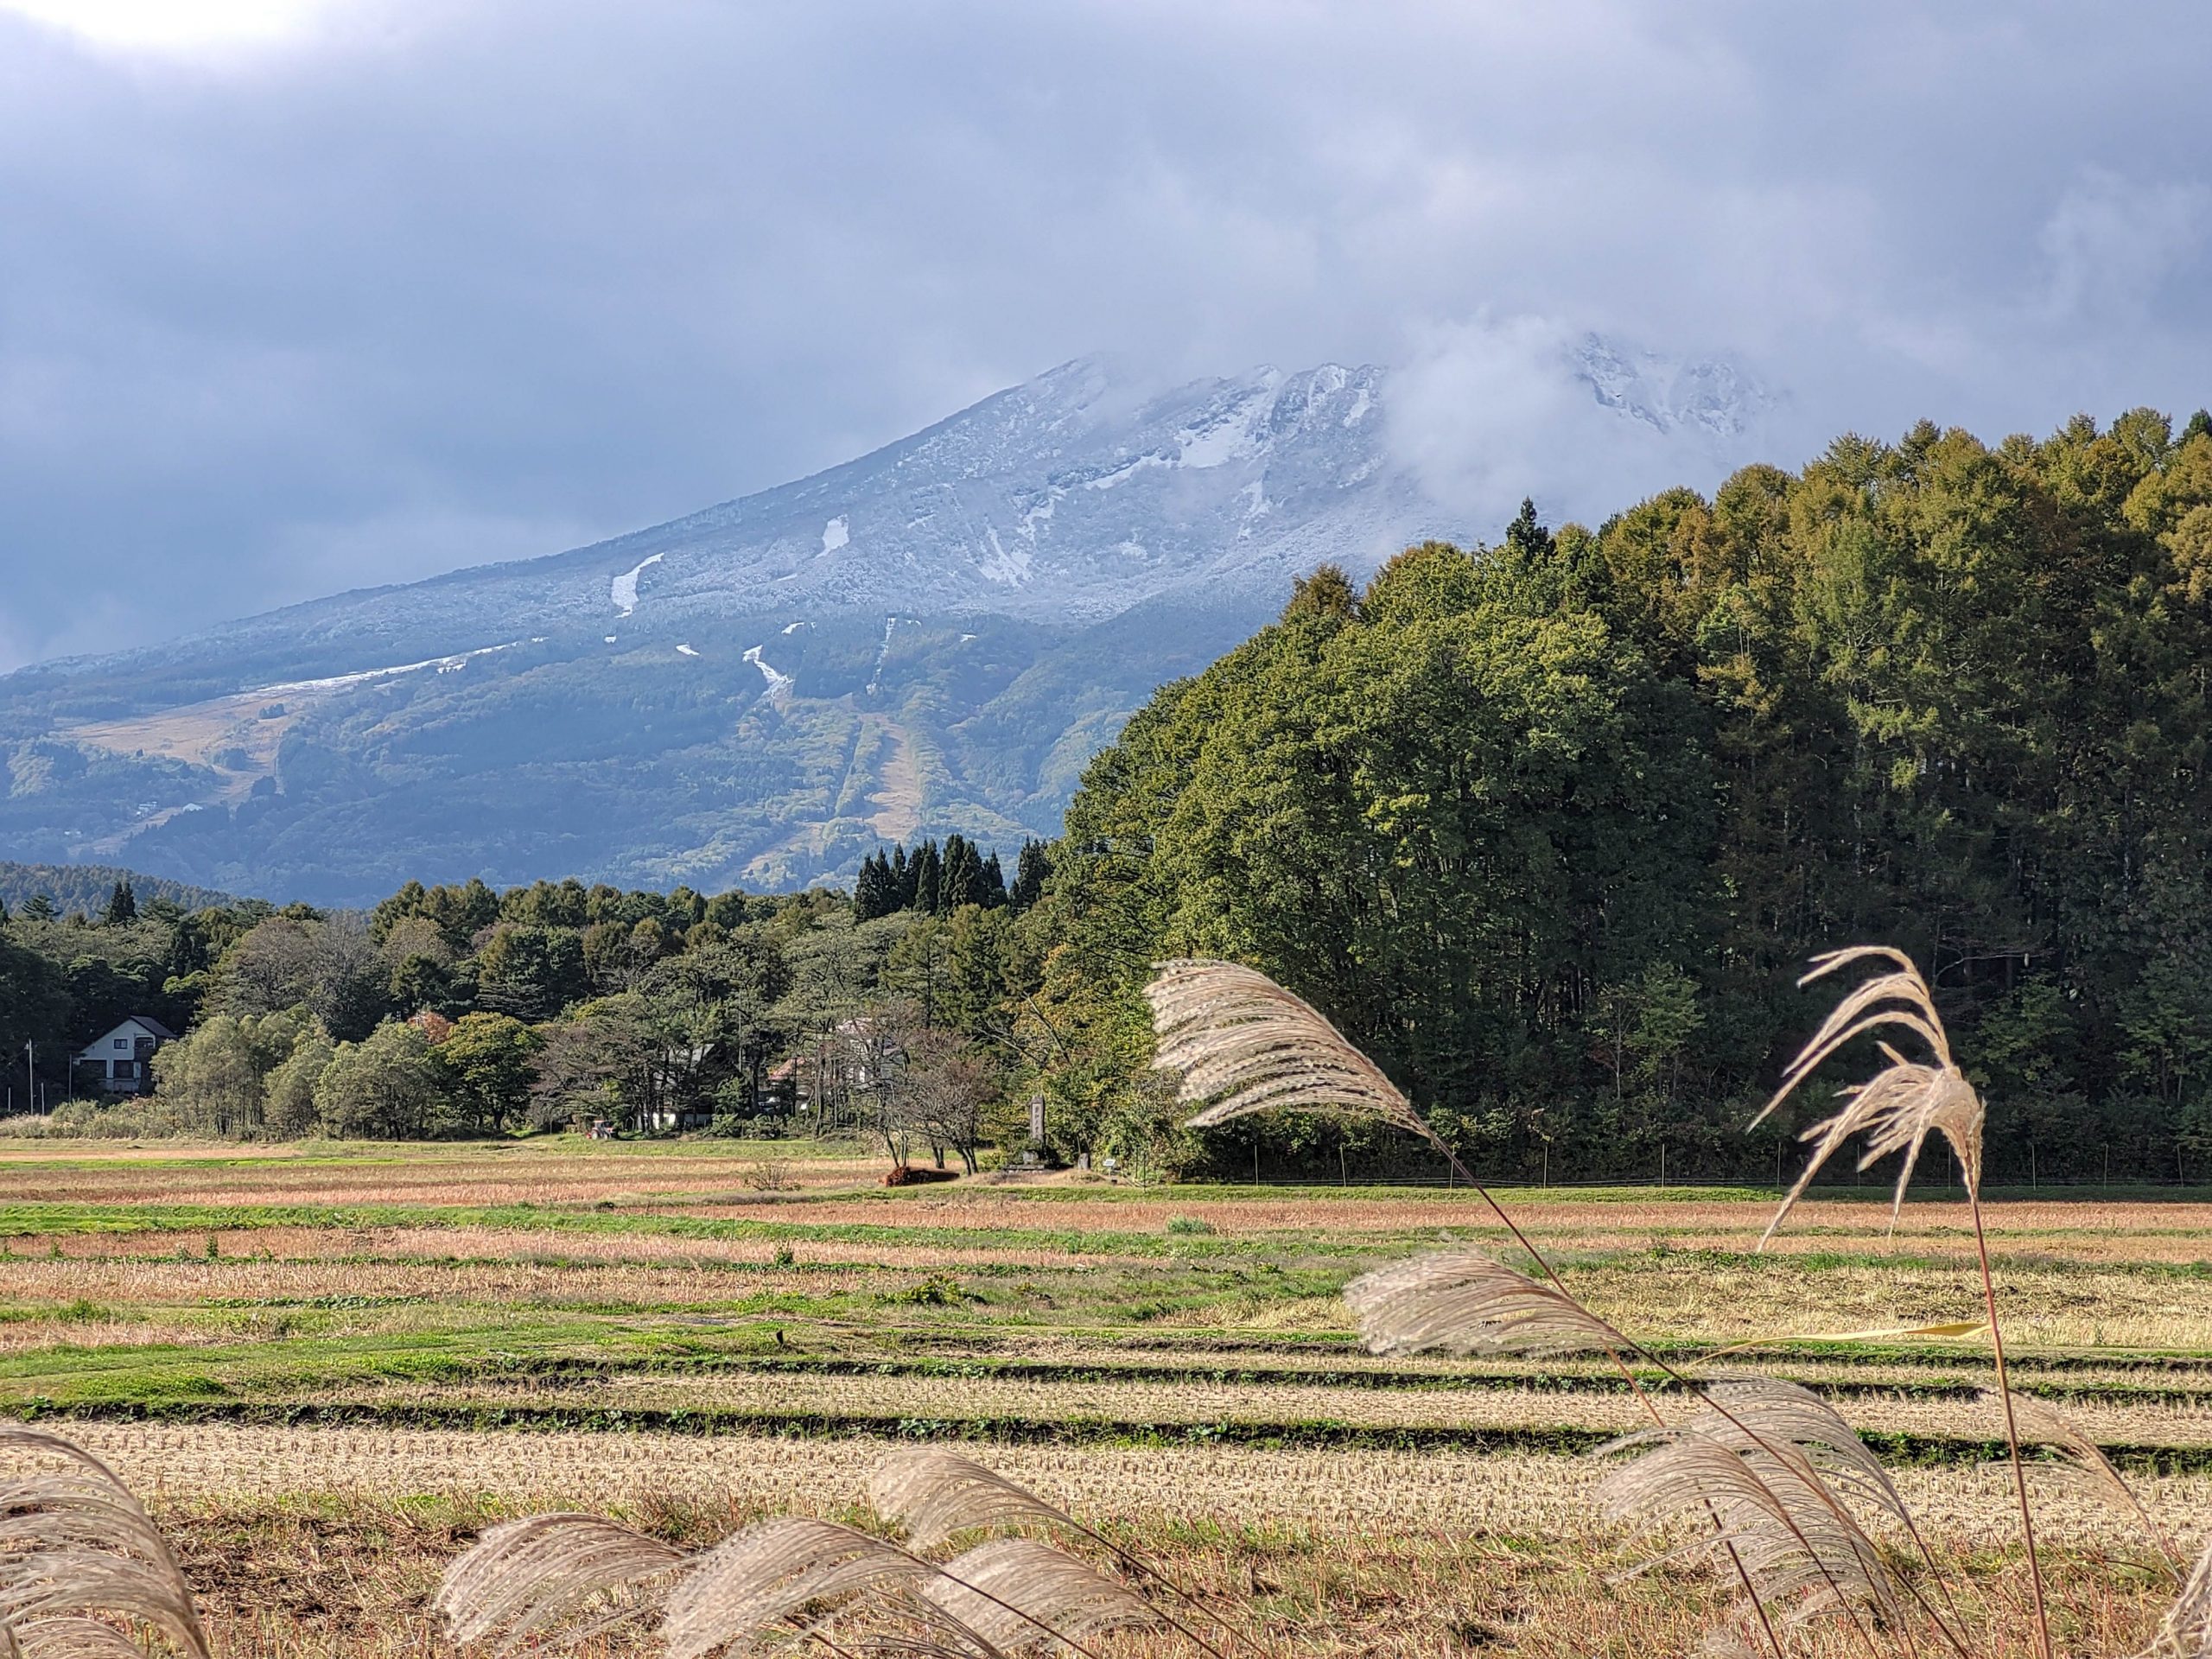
<point>1059,499</point>
<point>1710,397</point>
<point>936,636</point>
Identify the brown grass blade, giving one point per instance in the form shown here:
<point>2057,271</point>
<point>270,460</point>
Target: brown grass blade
<point>751,1583</point>
<point>1018,1592</point>
<point>74,1638</point>
<point>2040,1422</point>
<point>1243,1043</point>
<point>1461,1301</point>
<point>74,1541</point>
<point>936,1494</point>
<point>2186,1631</point>
<point>523,1577</point>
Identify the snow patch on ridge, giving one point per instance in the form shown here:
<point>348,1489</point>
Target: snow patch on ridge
<point>780,685</point>
<point>883,652</point>
<point>338,681</point>
<point>623,590</point>
<point>1010,568</point>
<point>836,533</point>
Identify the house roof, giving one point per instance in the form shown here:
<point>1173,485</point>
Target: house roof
<point>159,1032</point>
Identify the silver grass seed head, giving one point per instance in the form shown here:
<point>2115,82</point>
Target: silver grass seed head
<point>72,1638</point>
<point>1019,1592</point>
<point>1898,1108</point>
<point>523,1577</point>
<point>1244,1044</point>
<point>936,1494</point>
<point>2186,1631</point>
<point>1464,1301</point>
<point>746,1586</point>
<point>2083,1461</point>
<point>74,1542</point>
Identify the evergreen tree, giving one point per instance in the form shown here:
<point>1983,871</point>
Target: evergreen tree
<point>929,879</point>
<point>1526,536</point>
<point>2200,426</point>
<point>122,907</point>
<point>872,889</point>
<point>1029,874</point>
<point>963,880</point>
<point>993,887</point>
<point>901,890</point>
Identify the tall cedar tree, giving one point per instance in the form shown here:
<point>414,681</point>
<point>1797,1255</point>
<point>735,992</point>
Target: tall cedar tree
<point>1029,873</point>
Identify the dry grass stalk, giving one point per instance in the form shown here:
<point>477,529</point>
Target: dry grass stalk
<point>1243,1043</point>
<point>936,1494</point>
<point>74,1638</point>
<point>2043,1423</point>
<point>1017,1593</point>
<point>754,1584</point>
<point>525,1577</point>
<point>1771,1415</point>
<point>1898,1108</point>
<point>74,1542</point>
<point>2186,1631</point>
<point>1461,1301</point>
<point>1764,1515</point>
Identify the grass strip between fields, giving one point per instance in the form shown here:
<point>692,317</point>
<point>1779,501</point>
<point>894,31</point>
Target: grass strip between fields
<point>1895,1447</point>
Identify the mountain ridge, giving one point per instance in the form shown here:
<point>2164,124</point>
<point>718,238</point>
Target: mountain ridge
<point>931,637</point>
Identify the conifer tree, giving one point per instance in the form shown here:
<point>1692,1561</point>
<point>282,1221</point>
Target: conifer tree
<point>122,907</point>
<point>1526,535</point>
<point>900,890</point>
<point>872,889</point>
<point>962,882</point>
<point>1029,874</point>
<point>929,875</point>
<point>993,886</point>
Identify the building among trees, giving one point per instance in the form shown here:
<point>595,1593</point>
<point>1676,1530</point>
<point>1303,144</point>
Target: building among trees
<point>122,1061</point>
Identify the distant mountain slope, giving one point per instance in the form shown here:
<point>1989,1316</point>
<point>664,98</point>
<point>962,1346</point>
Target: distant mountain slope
<point>934,637</point>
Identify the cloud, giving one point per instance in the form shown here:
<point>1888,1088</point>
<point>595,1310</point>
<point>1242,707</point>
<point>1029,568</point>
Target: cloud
<point>181,28</point>
<point>335,291</point>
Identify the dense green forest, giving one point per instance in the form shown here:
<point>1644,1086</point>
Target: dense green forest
<point>1551,827</point>
<point>1548,827</point>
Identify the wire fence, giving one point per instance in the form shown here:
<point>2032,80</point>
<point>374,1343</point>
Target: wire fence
<point>2071,1186</point>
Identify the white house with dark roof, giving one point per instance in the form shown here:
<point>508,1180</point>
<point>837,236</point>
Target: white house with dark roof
<point>122,1063</point>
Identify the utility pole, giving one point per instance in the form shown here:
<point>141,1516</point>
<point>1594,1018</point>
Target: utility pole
<point>30,1074</point>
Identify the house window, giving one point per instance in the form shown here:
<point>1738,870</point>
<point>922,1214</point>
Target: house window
<point>123,1042</point>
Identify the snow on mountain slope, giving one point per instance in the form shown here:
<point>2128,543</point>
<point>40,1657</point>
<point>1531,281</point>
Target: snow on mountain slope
<point>1711,397</point>
<point>937,634</point>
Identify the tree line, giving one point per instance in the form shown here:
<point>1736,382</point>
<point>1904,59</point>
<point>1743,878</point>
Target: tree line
<point>458,1010</point>
<point>1548,827</point>
<point>1551,827</point>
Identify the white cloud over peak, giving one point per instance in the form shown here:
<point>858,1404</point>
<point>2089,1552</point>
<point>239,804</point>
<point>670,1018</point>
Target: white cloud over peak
<point>548,262</point>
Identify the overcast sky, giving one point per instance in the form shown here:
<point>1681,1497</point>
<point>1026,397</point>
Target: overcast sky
<point>304,295</point>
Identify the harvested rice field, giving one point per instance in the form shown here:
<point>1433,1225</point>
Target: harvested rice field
<point>342,1364</point>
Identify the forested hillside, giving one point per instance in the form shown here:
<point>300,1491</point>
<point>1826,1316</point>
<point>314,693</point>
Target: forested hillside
<point>88,888</point>
<point>1550,827</point>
